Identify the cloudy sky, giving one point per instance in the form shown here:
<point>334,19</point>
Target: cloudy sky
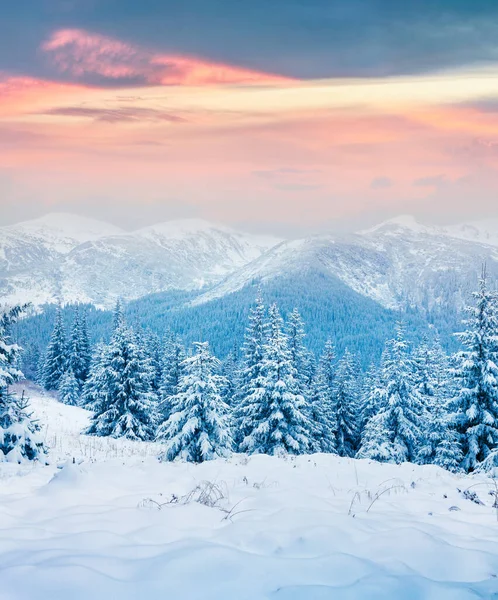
<point>284,115</point>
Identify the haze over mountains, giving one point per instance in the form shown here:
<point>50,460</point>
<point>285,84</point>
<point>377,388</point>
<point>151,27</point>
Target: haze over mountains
<point>399,263</point>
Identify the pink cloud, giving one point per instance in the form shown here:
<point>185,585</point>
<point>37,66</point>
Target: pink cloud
<point>83,53</point>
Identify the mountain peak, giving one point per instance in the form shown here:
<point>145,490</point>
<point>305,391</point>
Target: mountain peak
<point>67,225</point>
<point>400,222</point>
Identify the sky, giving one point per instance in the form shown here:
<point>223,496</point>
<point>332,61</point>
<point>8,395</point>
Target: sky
<point>281,116</point>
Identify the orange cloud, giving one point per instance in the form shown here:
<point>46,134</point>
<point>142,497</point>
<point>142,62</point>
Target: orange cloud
<point>83,53</point>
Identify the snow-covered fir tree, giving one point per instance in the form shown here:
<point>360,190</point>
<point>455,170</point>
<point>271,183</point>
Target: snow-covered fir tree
<point>275,417</point>
<point>321,413</point>
<point>197,428</point>
<point>20,439</point>
<point>301,357</point>
<point>172,370</point>
<point>371,395</point>
<point>153,347</point>
<point>93,390</point>
<point>250,372</point>
<point>56,356</point>
<point>127,404</point>
<point>346,406</point>
<point>230,372</point>
<point>69,389</point>
<point>79,348</point>
<point>476,374</point>
<point>440,444</point>
<point>394,433</point>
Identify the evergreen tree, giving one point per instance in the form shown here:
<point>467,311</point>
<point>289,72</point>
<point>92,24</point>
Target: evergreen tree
<point>346,406</point>
<point>230,372</point>
<point>394,433</point>
<point>321,412</point>
<point>93,390</point>
<point>118,319</point>
<point>69,389</point>
<point>55,363</point>
<point>476,404</point>
<point>127,404</point>
<point>371,395</point>
<point>172,363</point>
<point>274,414</point>
<point>79,349</point>
<point>197,429</point>
<point>301,358</point>
<point>250,373</point>
<point>19,434</point>
<point>31,361</point>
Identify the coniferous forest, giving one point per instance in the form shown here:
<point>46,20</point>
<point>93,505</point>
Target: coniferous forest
<point>272,395</point>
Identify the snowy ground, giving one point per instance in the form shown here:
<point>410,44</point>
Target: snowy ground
<point>119,525</point>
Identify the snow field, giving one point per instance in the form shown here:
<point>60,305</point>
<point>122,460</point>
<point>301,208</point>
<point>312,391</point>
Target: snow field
<point>120,525</point>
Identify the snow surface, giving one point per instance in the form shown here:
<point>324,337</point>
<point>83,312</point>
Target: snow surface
<point>311,528</point>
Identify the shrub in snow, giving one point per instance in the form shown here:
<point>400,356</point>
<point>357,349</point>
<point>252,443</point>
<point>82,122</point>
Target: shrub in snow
<point>126,405</point>
<point>197,428</point>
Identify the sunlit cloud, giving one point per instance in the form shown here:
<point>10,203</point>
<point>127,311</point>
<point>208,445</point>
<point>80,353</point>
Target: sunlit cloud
<point>81,53</point>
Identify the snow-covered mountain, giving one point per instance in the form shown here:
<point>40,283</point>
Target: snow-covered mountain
<point>398,263</point>
<point>67,258</point>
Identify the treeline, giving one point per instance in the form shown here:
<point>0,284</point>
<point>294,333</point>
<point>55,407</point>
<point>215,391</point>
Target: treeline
<point>273,396</point>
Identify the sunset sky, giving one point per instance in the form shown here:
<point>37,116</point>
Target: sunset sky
<point>279,116</point>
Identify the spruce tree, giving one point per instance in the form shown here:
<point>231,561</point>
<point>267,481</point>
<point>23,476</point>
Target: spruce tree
<point>55,362</point>
<point>171,372</point>
<point>93,391</point>
<point>275,417</point>
<point>197,429</point>
<point>79,349</point>
<point>250,373</point>
<point>346,406</point>
<point>69,389</point>
<point>127,406</point>
<point>19,433</point>
<point>321,414</point>
<point>476,403</point>
<point>394,434</point>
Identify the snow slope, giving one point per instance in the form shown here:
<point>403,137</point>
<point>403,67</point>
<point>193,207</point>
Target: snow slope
<point>311,528</point>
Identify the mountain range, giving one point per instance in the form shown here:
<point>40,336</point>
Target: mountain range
<point>399,263</point>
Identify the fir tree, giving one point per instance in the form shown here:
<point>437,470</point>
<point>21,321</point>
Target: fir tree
<point>69,389</point>
<point>79,349</point>
<point>321,413</point>
<point>250,373</point>
<point>19,434</point>
<point>394,433</point>
<point>476,404</point>
<point>171,372</point>
<point>230,372</point>
<point>55,362</point>
<point>301,358</point>
<point>346,406</point>
<point>197,429</point>
<point>274,414</point>
<point>93,390</point>
<point>127,404</point>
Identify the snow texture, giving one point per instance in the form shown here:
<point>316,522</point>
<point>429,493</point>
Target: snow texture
<point>116,523</point>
